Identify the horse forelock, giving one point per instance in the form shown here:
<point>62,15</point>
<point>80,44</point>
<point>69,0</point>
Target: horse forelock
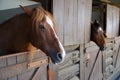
<point>39,14</point>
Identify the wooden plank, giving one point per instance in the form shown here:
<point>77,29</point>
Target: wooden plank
<point>14,67</point>
<point>68,22</point>
<point>58,13</point>
<point>81,17</point>
<point>75,26</point>
<point>42,75</point>
<point>115,21</point>
<point>21,53</point>
<point>71,47</point>
<point>70,58</point>
<point>66,63</point>
<point>87,22</point>
<point>37,63</point>
<point>10,71</point>
<point>90,44</point>
<point>24,57</point>
<point>12,60</point>
<point>92,49</point>
<point>13,78</point>
<point>75,78</point>
<point>96,74</point>
<point>11,55</point>
<point>76,18</point>
<point>82,60</point>
<point>84,19</point>
<point>68,72</point>
<point>112,21</point>
<point>109,21</point>
<point>26,75</point>
<point>3,62</point>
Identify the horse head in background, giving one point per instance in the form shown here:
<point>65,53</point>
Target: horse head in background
<point>35,27</point>
<point>98,35</point>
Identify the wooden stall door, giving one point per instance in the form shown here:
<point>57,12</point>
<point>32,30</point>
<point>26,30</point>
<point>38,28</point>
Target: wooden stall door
<point>112,28</point>
<point>73,19</point>
<point>15,67</point>
<point>96,74</point>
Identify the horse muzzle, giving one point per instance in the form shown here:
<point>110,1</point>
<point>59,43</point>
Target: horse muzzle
<point>58,58</point>
<point>102,48</point>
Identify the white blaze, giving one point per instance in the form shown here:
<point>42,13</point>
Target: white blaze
<point>49,21</point>
<point>100,29</point>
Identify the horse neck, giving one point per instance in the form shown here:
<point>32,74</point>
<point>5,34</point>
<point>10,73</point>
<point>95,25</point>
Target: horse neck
<point>17,22</point>
<point>17,27</point>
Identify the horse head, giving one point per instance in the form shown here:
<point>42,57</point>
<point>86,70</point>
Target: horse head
<point>98,35</point>
<point>43,34</point>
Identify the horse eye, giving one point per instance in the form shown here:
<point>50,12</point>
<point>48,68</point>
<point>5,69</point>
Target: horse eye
<point>41,27</point>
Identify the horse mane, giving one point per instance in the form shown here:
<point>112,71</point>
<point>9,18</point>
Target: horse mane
<point>39,14</point>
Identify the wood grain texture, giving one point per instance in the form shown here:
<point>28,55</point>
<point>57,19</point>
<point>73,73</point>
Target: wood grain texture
<point>58,13</point>
<point>73,19</point>
<point>112,21</point>
<point>97,70</point>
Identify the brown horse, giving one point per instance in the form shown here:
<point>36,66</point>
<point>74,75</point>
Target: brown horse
<point>98,35</point>
<point>30,30</point>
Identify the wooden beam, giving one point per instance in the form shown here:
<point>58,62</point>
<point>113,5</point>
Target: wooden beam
<point>13,70</point>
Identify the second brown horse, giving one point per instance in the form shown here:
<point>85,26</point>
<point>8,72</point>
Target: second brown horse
<point>98,35</point>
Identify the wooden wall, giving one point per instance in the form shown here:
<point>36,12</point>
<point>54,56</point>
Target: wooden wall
<point>73,19</point>
<point>112,27</point>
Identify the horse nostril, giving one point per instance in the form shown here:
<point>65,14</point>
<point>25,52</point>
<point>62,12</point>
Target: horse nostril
<point>59,56</point>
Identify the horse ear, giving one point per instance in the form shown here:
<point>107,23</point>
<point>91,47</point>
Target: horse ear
<point>26,10</point>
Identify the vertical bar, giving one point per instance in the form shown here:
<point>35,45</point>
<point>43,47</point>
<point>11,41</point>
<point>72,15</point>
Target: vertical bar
<point>82,65</point>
